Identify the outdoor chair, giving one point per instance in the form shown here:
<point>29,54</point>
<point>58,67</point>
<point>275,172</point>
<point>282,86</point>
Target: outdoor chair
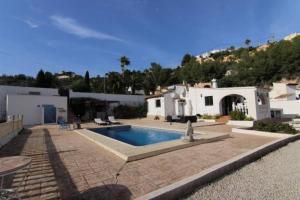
<point>112,120</point>
<point>99,121</point>
<point>63,125</point>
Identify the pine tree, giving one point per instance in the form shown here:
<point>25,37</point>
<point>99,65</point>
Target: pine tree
<point>87,81</point>
<point>40,79</point>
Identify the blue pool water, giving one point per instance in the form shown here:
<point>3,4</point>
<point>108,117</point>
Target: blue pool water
<point>138,136</point>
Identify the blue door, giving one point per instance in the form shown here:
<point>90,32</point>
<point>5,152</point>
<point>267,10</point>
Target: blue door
<point>49,114</point>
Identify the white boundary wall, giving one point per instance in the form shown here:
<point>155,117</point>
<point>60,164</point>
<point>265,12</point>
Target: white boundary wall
<point>5,90</point>
<point>132,100</point>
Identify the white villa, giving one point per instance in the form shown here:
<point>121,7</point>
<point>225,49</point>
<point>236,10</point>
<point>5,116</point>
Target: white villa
<point>182,100</point>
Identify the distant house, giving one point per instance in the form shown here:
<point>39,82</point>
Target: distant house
<point>182,100</point>
<point>284,100</point>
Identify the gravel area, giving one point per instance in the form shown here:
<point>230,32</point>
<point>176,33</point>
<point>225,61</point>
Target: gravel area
<point>275,176</point>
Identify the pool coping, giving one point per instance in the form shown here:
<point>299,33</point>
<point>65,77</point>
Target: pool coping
<point>130,153</point>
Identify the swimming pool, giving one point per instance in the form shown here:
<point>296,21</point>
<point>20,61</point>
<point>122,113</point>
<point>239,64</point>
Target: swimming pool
<point>138,136</point>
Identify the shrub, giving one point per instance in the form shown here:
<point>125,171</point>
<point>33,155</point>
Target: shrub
<point>207,116</point>
<point>276,127</point>
<point>129,112</point>
<point>198,116</point>
<point>248,119</point>
<point>169,118</point>
<point>237,115</point>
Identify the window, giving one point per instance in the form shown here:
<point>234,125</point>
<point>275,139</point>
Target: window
<point>209,101</point>
<point>157,103</point>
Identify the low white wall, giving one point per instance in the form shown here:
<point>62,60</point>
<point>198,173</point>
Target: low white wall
<point>9,130</point>
<point>290,108</point>
<point>30,106</point>
<point>133,100</point>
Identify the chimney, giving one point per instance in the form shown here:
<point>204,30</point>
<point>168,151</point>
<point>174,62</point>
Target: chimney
<point>214,83</point>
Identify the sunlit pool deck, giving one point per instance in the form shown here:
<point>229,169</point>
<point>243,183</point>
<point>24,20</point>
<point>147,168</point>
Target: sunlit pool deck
<point>66,165</point>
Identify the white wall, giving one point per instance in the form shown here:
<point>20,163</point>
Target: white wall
<point>153,110</point>
<point>281,89</point>
<point>198,95</point>
<point>132,100</point>
<point>5,90</point>
<point>30,106</point>
<point>290,108</point>
<point>197,98</point>
<point>169,105</point>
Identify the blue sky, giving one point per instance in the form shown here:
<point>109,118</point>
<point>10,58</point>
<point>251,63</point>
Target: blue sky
<point>79,35</point>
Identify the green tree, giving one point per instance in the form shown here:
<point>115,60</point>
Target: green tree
<point>247,42</point>
<point>114,83</point>
<point>50,80</point>
<point>97,84</point>
<point>79,86</point>
<point>87,81</point>
<point>40,79</point>
<point>186,59</point>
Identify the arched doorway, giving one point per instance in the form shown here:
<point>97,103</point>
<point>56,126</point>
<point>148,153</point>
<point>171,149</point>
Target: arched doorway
<point>233,102</point>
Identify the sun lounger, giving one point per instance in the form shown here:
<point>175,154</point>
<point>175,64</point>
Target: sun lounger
<point>112,120</point>
<point>175,118</point>
<point>100,122</point>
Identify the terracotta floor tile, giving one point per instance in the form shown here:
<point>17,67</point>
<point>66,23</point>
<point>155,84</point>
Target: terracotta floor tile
<point>66,165</point>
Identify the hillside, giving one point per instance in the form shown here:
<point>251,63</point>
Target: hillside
<point>247,65</point>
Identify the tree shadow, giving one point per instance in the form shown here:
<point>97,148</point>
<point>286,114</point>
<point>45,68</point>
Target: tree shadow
<point>114,191</point>
<point>67,187</point>
<point>48,177</point>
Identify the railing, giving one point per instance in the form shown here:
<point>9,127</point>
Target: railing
<point>241,108</point>
<point>10,129</point>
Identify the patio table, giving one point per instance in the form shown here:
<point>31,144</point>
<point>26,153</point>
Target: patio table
<point>12,164</point>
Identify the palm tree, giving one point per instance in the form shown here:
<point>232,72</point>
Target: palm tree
<point>124,61</point>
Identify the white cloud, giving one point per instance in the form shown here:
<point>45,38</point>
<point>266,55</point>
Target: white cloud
<point>31,23</point>
<point>69,25</point>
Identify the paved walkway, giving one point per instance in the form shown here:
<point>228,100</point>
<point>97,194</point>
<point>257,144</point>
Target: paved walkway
<point>68,166</point>
<point>275,176</point>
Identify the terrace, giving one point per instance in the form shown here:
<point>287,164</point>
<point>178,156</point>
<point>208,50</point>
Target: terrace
<point>66,165</point>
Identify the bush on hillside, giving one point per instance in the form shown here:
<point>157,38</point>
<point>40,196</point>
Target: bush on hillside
<point>276,127</point>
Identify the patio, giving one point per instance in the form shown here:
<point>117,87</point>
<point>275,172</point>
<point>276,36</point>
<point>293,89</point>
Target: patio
<point>67,166</point>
